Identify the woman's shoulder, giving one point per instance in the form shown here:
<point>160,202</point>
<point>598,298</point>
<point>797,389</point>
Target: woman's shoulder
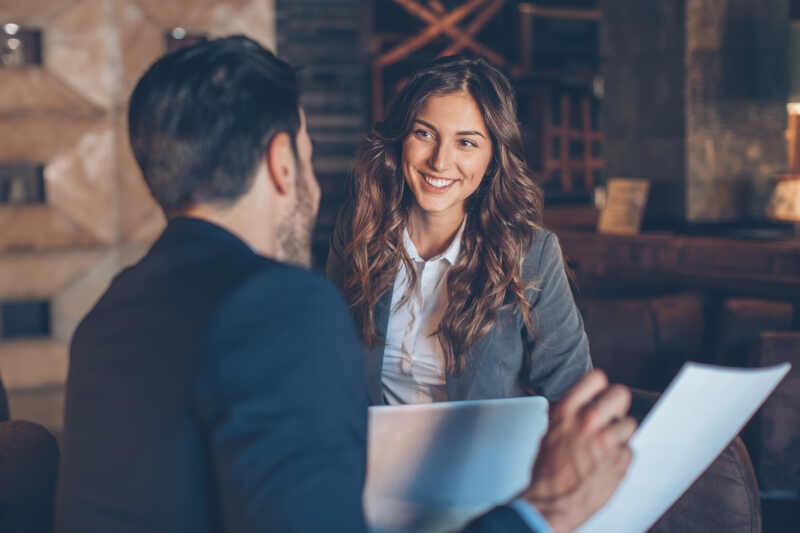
<point>544,250</point>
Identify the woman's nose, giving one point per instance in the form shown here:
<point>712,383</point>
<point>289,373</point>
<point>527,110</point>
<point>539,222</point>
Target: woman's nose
<point>440,157</point>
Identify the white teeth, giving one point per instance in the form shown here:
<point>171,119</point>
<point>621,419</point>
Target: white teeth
<point>438,183</point>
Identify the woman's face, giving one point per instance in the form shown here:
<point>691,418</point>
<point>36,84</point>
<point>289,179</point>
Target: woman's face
<point>446,154</point>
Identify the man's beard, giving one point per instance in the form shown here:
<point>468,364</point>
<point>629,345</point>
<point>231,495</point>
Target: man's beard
<point>294,233</point>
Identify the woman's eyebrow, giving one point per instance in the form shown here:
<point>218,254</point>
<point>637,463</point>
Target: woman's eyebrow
<point>467,132</point>
<point>471,132</point>
<point>426,124</point>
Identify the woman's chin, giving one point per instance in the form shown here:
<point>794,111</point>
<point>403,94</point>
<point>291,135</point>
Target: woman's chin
<point>438,206</point>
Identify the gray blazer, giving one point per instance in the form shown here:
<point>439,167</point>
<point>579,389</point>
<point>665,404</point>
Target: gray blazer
<point>509,360</point>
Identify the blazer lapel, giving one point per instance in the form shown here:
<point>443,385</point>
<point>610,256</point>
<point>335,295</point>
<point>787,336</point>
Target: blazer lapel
<point>374,361</point>
<point>462,385</point>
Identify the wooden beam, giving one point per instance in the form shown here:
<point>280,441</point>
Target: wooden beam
<point>566,179</point>
<point>474,27</point>
<point>566,13</point>
<point>437,26</point>
<point>588,141</point>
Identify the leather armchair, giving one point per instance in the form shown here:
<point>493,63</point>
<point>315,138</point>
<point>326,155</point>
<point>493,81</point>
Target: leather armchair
<point>28,470</point>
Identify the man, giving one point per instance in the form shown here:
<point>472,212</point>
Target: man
<point>216,387</point>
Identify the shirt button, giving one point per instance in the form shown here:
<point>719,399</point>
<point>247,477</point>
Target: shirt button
<point>405,365</point>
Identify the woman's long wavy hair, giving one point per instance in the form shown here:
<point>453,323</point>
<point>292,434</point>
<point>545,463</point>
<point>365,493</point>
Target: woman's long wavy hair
<point>502,214</point>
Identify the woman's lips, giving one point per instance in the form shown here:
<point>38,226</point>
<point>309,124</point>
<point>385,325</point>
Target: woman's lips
<point>436,183</point>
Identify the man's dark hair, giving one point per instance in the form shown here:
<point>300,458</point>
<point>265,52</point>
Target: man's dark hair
<point>201,118</point>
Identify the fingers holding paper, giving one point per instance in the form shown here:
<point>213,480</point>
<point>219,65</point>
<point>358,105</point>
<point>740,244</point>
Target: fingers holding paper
<point>584,454</point>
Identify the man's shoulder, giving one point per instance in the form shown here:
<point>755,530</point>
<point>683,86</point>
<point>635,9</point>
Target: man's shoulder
<point>161,290</point>
<point>287,320</point>
<point>282,297</point>
<point>280,283</point>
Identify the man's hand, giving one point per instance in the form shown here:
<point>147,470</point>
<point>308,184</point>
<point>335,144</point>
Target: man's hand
<point>584,454</point>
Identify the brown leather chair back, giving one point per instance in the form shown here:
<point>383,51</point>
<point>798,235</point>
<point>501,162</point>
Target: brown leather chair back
<point>724,499</point>
<point>28,470</point>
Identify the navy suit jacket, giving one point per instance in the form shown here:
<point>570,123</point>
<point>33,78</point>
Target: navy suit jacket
<point>213,389</point>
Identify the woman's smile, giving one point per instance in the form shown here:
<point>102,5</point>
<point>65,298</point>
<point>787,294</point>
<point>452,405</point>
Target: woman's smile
<point>437,183</point>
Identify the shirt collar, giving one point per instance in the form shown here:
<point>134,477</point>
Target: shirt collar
<point>450,254</point>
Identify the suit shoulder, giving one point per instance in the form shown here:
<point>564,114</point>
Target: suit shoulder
<point>295,316</point>
<point>284,292</point>
<point>544,249</point>
<point>543,241</point>
<point>288,280</point>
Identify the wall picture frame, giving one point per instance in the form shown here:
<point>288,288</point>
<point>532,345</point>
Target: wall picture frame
<point>623,209</point>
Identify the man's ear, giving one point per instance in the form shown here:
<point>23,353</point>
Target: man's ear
<point>281,162</point>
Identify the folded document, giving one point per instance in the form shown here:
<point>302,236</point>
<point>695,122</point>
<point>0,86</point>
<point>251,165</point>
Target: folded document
<point>432,467</point>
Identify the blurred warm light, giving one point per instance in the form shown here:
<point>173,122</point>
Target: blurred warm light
<point>11,28</point>
<point>793,137</point>
<point>785,202</point>
<point>13,43</point>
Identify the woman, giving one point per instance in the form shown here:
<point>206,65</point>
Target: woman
<point>457,290</point>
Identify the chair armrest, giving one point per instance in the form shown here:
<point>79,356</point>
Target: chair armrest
<point>4,413</point>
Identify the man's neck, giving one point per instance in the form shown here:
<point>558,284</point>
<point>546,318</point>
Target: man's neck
<point>240,222</point>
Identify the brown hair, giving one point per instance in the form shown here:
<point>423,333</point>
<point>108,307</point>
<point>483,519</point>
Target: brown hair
<point>502,214</point>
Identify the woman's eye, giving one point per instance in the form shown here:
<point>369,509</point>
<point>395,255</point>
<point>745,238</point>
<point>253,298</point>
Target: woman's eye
<point>469,143</point>
<point>424,134</point>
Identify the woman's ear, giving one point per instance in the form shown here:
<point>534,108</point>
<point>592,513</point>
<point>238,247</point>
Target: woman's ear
<point>281,163</point>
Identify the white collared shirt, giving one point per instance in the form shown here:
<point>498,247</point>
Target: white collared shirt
<point>413,360</point>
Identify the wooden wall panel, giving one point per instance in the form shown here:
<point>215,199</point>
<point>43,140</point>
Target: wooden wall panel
<point>33,363</point>
<point>34,275</point>
<point>32,12</point>
<point>69,116</point>
<point>81,48</point>
<point>36,91</point>
<point>326,39</point>
<point>140,41</point>
<point>81,184</point>
<point>255,18</point>
<point>71,281</point>
<point>140,218</point>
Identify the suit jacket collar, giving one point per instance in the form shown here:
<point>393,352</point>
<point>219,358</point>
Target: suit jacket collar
<point>189,229</point>
<point>195,239</point>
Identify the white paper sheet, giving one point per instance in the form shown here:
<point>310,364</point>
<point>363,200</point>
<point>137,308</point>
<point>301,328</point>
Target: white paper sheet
<point>432,467</point>
<point>697,416</point>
